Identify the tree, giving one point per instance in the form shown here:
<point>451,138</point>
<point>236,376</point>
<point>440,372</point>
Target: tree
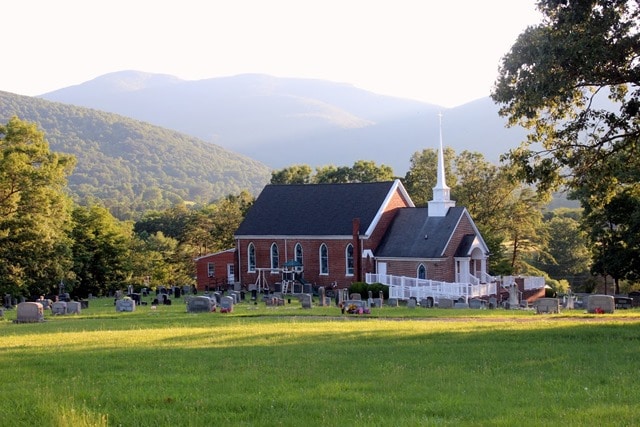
<point>574,82</point>
<point>422,175</point>
<point>296,174</point>
<point>34,211</point>
<point>101,257</point>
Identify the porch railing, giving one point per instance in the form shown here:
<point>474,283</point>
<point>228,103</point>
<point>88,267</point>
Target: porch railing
<point>404,288</point>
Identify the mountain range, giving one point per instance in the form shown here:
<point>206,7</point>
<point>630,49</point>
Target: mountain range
<point>285,121</point>
<point>132,166</point>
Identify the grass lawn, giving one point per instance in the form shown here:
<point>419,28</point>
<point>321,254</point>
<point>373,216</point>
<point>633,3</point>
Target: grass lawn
<point>264,366</point>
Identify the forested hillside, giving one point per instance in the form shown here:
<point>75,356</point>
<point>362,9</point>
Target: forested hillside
<point>132,166</point>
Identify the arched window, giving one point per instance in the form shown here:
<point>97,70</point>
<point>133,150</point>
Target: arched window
<point>348,254</point>
<point>275,258</point>
<point>298,252</point>
<point>251,258</point>
<point>324,259</point>
<point>422,272</point>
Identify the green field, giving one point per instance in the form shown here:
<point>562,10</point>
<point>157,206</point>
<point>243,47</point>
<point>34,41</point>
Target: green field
<point>264,366</point>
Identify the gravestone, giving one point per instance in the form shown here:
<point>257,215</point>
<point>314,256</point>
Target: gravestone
<point>355,296</point>
<point>125,305</point>
<point>356,306</point>
<point>7,301</point>
<point>600,304</point>
<point>393,302</point>
<point>321,297</point>
<point>477,303</point>
<point>377,302</point>
<point>411,303</point>
<point>29,312</point>
<point>200,304</point>
<point>460,304</point>
<point>1,311</point>
<point>59,307</point>
<point>547,305</point>
<point>306,300</point>
<point>74,307</point>
<point>226,304</point>
<point>426,302</point>
<point>493,302</point>
<point>445,303</point>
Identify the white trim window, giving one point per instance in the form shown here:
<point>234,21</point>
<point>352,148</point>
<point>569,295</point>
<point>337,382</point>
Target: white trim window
<point>298,252</point>
<point>211,269</point>
<point>348,255</point>
<point>251,258</point>
<point>324,259</point>
<point>275,258</point>
<point>422,272</point>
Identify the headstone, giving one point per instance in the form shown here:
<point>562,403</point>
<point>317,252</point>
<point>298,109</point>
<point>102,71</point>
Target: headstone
<point>547,305</point>
<point>477,303</point>
<point>74,307</point>
<point>59,308</point>
<point>392,302</point>
<point>411,303</point>
<point>226,304</point>
<point>459,304</point>
<point>7,301</point>
<point>200,304</point>
<point>355,296</point>
<point>426,302</point>
<point>306,300</point>
<point>513,296</point>
<point>29,312</point>
<point>600,304</point>
<point>377,302</point>
<point>321,296</point>
<point>445,303</point>
<point>493,302</point>
<point>1,311</point>
<point>356,306</point>
<point>125,305</point>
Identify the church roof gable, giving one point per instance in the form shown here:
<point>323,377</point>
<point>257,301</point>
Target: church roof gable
<point>315,209</point>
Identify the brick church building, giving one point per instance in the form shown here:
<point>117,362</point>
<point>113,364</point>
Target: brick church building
<point>333,234</point>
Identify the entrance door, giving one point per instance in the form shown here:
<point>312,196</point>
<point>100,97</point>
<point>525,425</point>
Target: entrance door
<point>230,274</point>
<point>382,268</point>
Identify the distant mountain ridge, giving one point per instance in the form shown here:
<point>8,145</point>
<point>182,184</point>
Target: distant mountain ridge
<point>285,121</point>
<point>133,166</point>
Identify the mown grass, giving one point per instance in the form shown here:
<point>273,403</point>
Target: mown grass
<point>287,366</point>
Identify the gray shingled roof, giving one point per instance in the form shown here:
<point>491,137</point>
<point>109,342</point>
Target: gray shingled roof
<point>406,236</point>
<point>314,209</point>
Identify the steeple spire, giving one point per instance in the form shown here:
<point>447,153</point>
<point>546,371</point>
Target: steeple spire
<point>441,192</point>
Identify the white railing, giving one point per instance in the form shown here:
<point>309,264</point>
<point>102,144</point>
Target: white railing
<point>404,288</point>
<point>530,282</point>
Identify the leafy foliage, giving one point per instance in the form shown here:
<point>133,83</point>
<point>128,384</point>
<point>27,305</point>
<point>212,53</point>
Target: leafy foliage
<point>574,82</point>
<point>34,211</point>
<point>361,171</point>
<point>131,166</point>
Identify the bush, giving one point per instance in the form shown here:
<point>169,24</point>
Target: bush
<point>363,289</point>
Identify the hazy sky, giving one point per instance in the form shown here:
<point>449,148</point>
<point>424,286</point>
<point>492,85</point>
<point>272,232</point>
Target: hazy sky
<point>445,52</point>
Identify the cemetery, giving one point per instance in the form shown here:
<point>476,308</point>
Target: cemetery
<point>347,353</point>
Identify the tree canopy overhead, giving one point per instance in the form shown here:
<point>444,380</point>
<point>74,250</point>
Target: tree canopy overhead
<point>574,82</point>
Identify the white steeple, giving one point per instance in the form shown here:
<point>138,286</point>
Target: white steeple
<point>441,202</point>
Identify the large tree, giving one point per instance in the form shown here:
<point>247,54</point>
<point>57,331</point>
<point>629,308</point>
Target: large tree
<point>34,211</point>
<point>574,82</point>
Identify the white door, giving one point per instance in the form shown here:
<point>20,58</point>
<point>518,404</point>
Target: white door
<point>382,268</point>
<point>230,274</point>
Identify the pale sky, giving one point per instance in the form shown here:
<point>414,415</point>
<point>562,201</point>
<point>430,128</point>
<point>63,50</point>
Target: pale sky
<point>444,52</point>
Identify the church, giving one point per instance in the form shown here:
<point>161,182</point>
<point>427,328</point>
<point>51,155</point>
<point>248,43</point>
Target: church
<point>333,235</point>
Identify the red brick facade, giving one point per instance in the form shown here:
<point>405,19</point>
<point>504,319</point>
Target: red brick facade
<point>212,270</point>
<point>336,249</point>
<point>442,269</point>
